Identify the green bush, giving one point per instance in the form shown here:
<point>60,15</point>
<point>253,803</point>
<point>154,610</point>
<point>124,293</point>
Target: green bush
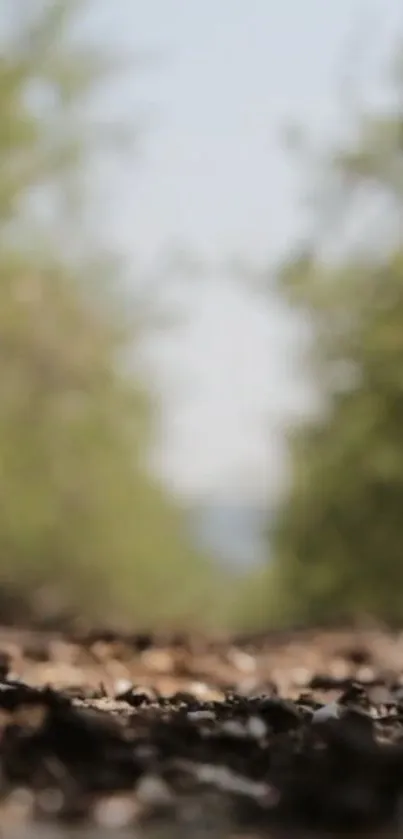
<point>84,528</point>
<point>336,544</point>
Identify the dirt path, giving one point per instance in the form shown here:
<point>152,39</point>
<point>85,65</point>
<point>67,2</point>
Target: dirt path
<point>276,736</point>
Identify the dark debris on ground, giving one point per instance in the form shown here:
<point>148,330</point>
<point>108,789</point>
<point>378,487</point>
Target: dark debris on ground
<point>220,738</point>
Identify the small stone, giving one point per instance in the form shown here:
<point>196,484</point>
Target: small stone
<point>159,661</point>
<point>205,693</point>
<point>50,801</point>
<point>331,711</point>
<point>256,727</point>
<point>234,728</point>
<point>301,677</point>
<point>339,669</point>
<point>365,675</point>
<point>115,812</point>
<point>242,661</point>
<point>122,686</point>
<point>201,715</point>
<point>152,790</point>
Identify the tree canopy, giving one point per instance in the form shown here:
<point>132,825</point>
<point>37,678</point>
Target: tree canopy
<point>336,544</point>
<point>83,525</point>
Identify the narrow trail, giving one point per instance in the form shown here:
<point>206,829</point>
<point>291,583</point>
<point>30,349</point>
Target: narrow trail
<point>284,735</point>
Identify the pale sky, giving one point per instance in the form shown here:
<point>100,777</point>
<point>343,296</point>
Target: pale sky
<point>212,177</point>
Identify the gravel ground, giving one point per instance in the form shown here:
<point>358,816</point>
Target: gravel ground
<point>284,735</point>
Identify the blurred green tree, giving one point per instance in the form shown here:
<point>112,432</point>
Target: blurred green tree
<point>83,526</point>
<point>339,532</point>
<point>337,541</point>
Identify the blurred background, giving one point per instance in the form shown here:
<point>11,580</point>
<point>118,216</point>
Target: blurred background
<point>201,312</point>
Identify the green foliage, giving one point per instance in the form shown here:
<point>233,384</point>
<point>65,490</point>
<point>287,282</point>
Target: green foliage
<point>339,530</point>
<point>83,526</point>
<point>338,536</point>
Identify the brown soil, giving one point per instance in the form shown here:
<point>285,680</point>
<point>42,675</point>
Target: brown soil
<point>196,737</point>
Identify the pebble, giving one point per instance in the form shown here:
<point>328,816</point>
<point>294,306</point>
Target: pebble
<point>115,812</point>
<point>152,790</point>
<point>256,727</point>
<point>331,711</point>
<point>242,661</point>
<point>225,779</point>
<point>234,728</point>
<point>301,677</point>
